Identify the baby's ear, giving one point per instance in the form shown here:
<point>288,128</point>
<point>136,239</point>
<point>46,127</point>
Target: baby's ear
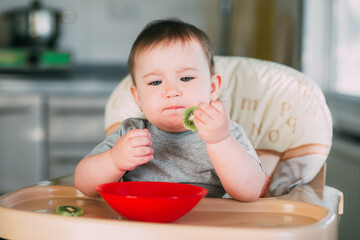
<point>216,82</point>
<point>135,94</point>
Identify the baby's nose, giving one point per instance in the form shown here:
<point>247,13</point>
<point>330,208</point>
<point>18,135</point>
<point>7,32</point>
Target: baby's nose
<point>172,91</point>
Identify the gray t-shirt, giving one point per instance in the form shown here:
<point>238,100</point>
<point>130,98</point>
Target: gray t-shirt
<point>178,157</point>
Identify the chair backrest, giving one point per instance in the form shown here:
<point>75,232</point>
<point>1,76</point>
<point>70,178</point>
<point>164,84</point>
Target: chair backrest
<point>282,111</point>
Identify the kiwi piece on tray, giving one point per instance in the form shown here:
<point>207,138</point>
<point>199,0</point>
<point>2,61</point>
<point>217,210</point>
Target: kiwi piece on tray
<point>68,210</point>
<point>188,119</point>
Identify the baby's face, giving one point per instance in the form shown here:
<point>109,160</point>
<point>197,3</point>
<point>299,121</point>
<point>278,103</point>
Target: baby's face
<point>170,79</point>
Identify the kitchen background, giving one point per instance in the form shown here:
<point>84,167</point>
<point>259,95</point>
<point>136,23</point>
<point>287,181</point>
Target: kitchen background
<point>52,100</point>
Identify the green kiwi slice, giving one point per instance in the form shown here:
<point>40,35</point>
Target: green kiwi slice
<point>68,210</point>
<point>188,118</point>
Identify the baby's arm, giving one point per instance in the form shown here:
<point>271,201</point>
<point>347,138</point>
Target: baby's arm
<point>240,174</point>
<point>131,150</point>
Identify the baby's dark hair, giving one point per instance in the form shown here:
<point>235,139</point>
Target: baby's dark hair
<point>166,32</point>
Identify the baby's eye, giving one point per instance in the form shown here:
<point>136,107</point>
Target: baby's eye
<point>155,83</point>
<point>186,79</point>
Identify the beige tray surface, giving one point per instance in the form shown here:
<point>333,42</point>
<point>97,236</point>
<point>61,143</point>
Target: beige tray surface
<point>34,208</point>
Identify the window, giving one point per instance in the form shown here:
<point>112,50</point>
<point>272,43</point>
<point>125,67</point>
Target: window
<point>346,47</point>
<point>331,57</point>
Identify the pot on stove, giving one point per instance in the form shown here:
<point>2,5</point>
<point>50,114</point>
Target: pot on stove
<point>34,26</point>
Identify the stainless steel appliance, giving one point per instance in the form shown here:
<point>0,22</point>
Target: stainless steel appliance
<point>23,144</point>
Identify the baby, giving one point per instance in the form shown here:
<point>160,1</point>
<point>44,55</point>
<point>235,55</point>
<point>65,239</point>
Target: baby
<point>172,67</point>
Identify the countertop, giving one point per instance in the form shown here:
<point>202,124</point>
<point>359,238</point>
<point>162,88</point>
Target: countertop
<point>82,79</point>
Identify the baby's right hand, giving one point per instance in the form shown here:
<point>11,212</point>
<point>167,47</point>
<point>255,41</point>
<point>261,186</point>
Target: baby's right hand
<point>132,149</point>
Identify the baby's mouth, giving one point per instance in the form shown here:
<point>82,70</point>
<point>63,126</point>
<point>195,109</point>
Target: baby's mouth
<point>174,108</point>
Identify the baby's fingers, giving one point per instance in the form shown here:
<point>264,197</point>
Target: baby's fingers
<point>143,155</point>
<point>140,161</point>
<point>137,133</point>
<point>140,141</point>
<point>219,106</point>
<point>142,151</point>
<point>138,137</point>
<point>208,108</point>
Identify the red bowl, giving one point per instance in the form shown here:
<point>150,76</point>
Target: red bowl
<point>151,201</point>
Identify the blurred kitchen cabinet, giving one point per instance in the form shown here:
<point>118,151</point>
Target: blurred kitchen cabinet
<point>76,126</point>
<point>268,30</point>
<point>23,155</point>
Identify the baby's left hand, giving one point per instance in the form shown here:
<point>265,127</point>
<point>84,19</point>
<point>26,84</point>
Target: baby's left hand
<point>212,121</point>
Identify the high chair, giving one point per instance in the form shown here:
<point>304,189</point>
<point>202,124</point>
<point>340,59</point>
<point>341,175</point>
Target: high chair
<point>285,116</point>
<point>282,111</point>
